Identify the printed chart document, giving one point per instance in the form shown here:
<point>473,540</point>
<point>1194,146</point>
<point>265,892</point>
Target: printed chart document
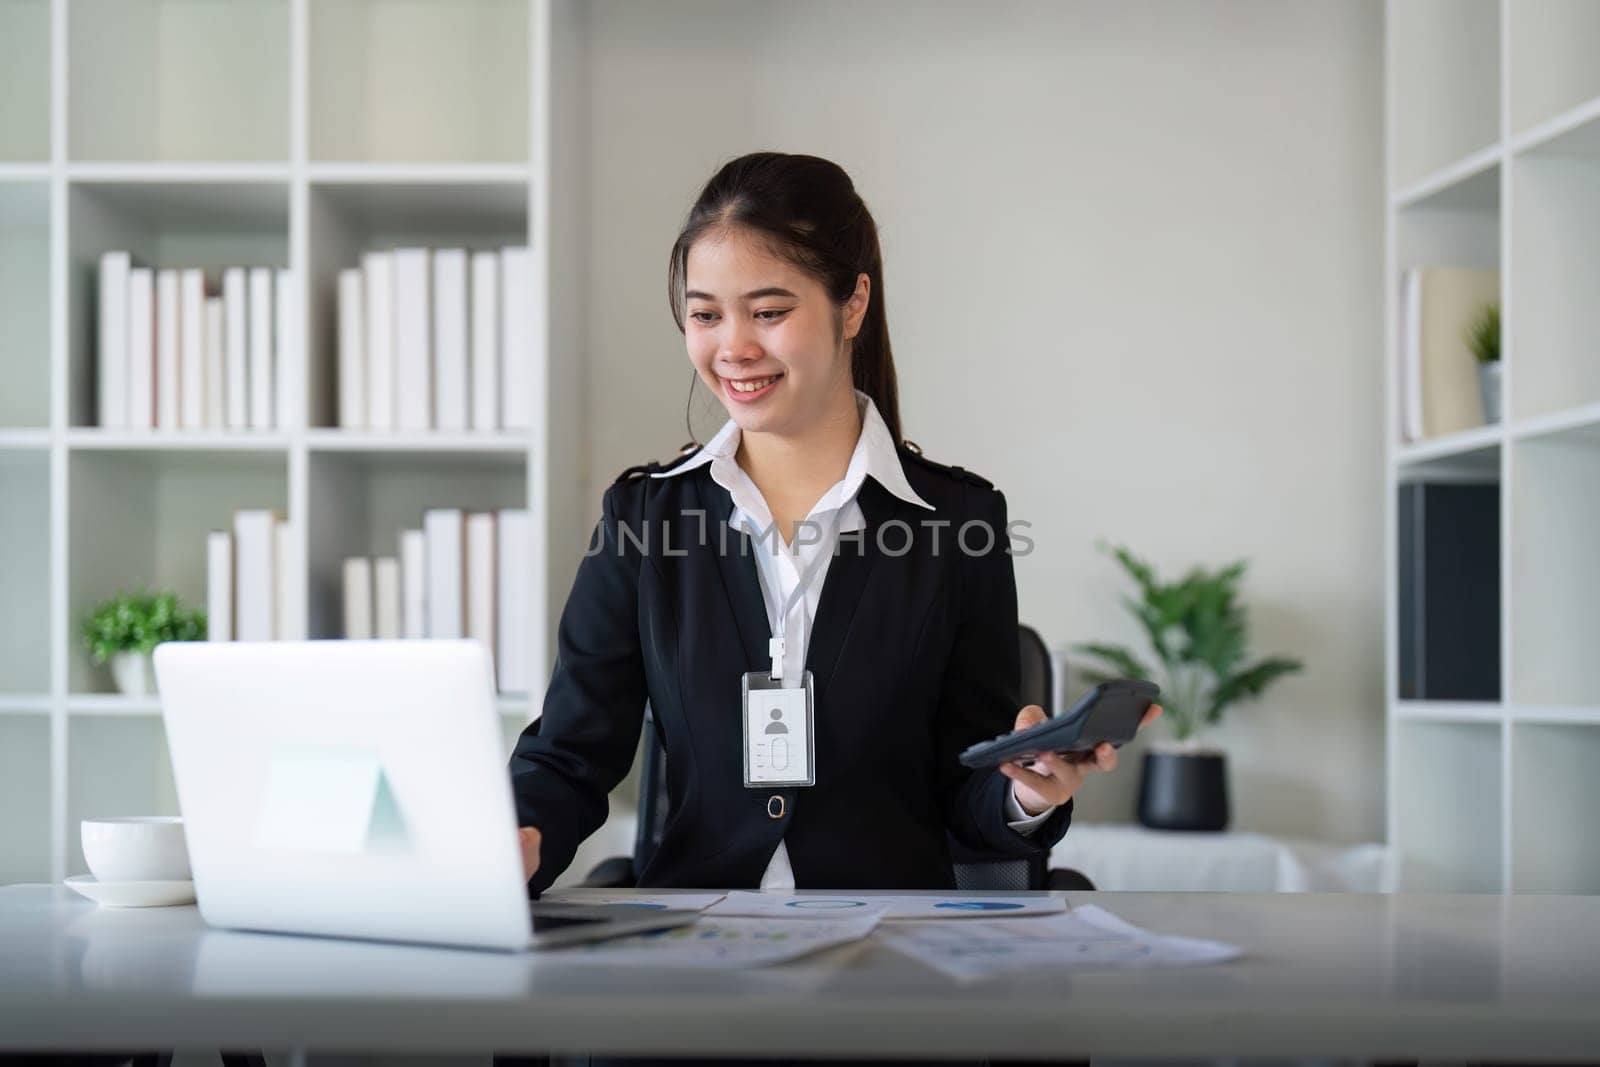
<point>1086,939</point>
<point>723,944</point>
<point>811,905</point>
<point>632,899</point>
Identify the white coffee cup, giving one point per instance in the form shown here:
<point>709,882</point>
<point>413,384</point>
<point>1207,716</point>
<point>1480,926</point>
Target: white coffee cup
<point>139,848</point>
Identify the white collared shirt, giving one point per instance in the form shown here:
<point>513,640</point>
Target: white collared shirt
<point>780,565</point>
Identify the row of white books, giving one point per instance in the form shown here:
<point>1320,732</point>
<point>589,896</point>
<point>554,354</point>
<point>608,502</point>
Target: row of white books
<point>437,339</point>
<point>461,575</point>
<point>253,582</point>
<point>1438,386</point>
<point>175,352</point>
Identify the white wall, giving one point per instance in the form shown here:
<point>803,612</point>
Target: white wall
<point>1133,261</point>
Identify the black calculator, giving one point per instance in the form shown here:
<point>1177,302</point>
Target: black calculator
<point>1108,713</point>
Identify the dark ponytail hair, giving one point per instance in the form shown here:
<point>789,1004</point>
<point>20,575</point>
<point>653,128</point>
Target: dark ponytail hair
<point>808,211</point>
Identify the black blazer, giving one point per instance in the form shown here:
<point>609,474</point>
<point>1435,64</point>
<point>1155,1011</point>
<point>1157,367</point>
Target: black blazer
<point>914,654</point>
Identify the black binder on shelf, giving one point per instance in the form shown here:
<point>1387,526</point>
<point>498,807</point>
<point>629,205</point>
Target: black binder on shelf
<point>1449,588</point>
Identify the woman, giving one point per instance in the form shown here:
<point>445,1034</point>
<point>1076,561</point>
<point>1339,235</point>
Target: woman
<point>807,517</point>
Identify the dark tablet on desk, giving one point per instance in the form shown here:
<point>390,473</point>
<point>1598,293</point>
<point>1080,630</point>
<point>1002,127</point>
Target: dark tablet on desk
<point>557,924</point>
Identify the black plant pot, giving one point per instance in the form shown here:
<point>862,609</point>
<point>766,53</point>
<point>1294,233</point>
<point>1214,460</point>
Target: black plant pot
<point>1184,791</point>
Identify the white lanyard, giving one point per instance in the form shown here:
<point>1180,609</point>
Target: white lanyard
<point>824,550</point>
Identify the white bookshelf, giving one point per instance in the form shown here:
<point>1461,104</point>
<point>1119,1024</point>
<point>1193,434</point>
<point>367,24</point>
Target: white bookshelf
<point>1493,146</point>
<point>24,82</point>
<point>283,133</point>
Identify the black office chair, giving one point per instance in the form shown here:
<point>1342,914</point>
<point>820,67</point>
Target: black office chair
<point>973,869</point>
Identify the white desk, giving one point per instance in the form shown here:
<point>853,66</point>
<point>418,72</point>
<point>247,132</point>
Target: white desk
<point>1340,974</point>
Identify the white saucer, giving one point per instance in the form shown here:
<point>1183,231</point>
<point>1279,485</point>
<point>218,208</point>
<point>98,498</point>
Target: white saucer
<point>132,894</point>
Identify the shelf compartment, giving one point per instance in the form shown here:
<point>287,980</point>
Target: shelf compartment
<point>24,301</point>
<point>1445,84</point>
<point>115,767</point>
<point>25,628</point>
<point>112,705</point>
<point>24,440</point>
<point>484,211</point>
<point>140,518</point>
<point>1554,794</point>
<point>1448,587</point>
<point>156,80</point>
<point>417,173</point>
<point>1555,571</point>
<point>517,708</point>
<point>1557,422</point>
<point>1572,127</point>
<point>1557,716</point>
<point>24,83</point>
<point>1457,225</point>
<point>24,787</point>
<point>1555,273</point>
<point>1448,824</point>
<point>183,173</point>
<point>210,225</point>
<point>419,81</point>
<point>1456,711</point>
<point>350,218</point>
<point>360,501</point>
<point>1470,455</point>
<point>512,723</point>
<point>1555,64</point>
<point>259,441</point>
<point>501,442</point>
<point>1466,183</point>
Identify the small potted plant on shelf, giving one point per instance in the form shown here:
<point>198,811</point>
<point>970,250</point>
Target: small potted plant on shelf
<point>126,629</point>
<point>1198,631</point>
<point>1483,338</point>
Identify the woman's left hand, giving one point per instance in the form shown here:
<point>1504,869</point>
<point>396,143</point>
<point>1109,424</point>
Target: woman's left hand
<point>1051,778</point>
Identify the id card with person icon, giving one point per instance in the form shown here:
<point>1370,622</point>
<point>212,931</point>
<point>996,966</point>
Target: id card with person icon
<point>779,734</point>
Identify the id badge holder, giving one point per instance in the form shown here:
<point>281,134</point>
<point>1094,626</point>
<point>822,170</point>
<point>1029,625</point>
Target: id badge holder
<point>780,746</point>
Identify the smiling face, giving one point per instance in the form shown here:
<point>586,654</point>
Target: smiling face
<point>765,337</point>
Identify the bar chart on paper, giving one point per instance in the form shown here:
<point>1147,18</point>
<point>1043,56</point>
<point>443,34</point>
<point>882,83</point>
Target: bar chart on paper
<point>1087,939</point>
<point>728,943</point>
<point>803,905</point>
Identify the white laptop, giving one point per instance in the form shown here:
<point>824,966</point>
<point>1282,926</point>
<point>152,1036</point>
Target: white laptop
<point>356,789</point>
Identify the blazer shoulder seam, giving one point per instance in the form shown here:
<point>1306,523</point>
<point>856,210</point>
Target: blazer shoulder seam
<point>910,451</point>
<point>649,467</point>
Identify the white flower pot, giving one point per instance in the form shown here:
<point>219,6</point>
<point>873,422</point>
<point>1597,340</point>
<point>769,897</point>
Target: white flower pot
<point>133,673</point>
<point>1489,377</point>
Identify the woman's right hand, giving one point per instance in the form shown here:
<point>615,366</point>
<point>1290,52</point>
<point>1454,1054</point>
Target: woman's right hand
<point>529,837</point>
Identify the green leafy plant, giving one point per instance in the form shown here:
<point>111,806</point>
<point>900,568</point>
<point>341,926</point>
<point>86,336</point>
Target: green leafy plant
<point>1198,630</point>
<point>138,622</point>
<point>1483,334</point>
